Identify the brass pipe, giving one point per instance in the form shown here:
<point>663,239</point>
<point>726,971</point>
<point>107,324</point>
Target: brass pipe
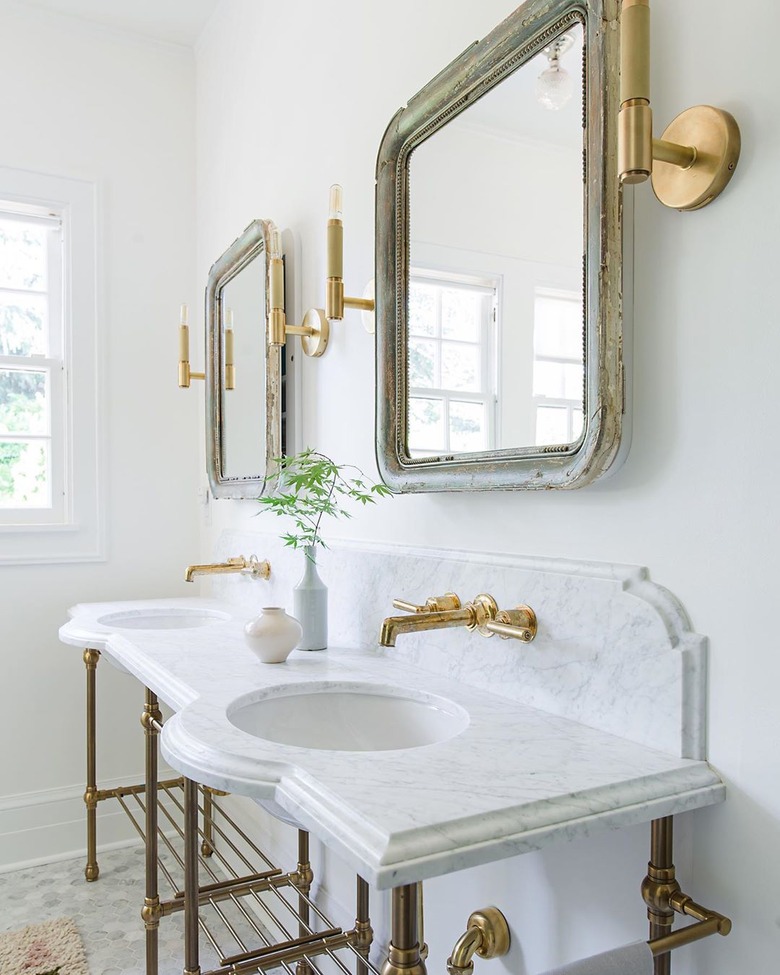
<point>362,304</point>
<point>486,935</point>
<point>670,152</point>
<point>151,908</point>
<point>661,947</point>
<point>191,898</point>
<point>91,797</point>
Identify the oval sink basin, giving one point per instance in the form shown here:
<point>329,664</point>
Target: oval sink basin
<point>349,717</point>
<point>173,618</point>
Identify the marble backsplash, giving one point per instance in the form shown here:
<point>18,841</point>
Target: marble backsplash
<point>614,650</point>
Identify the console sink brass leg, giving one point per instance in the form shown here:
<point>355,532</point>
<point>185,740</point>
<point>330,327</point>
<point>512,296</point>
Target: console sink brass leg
<point>191,947</point>
<point>91,870</point>
<point>403,957</point>
<point>151,719</point>
<point>207,847</point>
<point>363,929</point>
<point>304,877</point>
<point>661,874</point>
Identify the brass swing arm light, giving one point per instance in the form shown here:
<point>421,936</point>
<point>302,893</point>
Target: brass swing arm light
<point>697,154</point>
<point>335,299</point>
<point>315,330</point>
<point>186,375</point>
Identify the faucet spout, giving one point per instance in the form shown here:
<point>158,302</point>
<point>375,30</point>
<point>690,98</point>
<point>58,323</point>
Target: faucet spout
<point>412,622</point>
<point>252,565</point>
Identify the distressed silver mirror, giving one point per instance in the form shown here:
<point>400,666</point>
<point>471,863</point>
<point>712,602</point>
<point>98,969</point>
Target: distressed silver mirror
<point>499,262</point>
<point>244,383</point>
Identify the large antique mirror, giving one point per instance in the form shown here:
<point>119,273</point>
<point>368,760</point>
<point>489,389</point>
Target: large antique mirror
<point>244,382</point>
<point>499,271</point>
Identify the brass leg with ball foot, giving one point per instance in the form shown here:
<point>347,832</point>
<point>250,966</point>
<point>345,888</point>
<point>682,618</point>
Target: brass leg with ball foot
<point>91,870</point>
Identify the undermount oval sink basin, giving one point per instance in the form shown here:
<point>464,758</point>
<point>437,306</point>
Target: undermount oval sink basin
<point>163,618</point>
<point>353,717</point>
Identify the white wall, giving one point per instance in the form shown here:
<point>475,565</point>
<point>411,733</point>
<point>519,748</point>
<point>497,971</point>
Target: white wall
<point>92,104</point>
<point>295,96</point>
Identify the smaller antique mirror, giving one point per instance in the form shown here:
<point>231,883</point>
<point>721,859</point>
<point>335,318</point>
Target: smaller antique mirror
<point>499,271</point>
<point>244,383</point>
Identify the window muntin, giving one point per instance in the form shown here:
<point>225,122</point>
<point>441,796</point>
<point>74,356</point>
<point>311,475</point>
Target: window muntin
<point>451,363</point>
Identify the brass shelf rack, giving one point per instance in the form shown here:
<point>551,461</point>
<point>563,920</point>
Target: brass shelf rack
<point>252,919</point>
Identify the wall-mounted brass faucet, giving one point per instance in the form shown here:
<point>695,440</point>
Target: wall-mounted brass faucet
<point>440,612</point>
<point>253,566</point>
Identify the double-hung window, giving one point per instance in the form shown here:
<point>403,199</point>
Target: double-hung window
<point>558,366</point>
<point>32,367</point>
<point>50,508</point>
<point>452,368</point>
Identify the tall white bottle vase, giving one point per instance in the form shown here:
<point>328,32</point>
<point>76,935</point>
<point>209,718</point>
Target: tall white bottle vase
<point>310,604</point>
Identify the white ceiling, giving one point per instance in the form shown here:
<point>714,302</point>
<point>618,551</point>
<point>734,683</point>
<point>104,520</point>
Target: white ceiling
<point>175,21</point>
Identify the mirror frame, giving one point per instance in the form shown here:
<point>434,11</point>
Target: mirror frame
<point>604,441</point>
<point>252,242</point>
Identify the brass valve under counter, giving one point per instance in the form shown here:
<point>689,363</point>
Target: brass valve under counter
<point>481,614</point>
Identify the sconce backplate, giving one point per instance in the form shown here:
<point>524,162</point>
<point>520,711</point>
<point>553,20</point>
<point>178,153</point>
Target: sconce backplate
<point>715,134</point>
<point>315,343</point>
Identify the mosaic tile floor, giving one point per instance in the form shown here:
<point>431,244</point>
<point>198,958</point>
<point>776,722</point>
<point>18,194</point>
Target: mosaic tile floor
<point>107,913</point>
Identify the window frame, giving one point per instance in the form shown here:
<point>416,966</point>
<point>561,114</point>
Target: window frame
<point>74,530</point>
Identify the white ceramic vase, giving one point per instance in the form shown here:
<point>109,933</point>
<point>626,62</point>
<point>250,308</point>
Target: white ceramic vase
<point>310,604</point>
<point>273,635</point>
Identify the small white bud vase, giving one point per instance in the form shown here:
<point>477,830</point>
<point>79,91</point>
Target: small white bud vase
<point>273,635</point>
<point>310,604</point>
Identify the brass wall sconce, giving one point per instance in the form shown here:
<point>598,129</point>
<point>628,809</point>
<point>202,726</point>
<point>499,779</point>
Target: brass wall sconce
<point>697,153</point>
<point>186,375</point>
<point>335,299</point>
<point>315,330</point>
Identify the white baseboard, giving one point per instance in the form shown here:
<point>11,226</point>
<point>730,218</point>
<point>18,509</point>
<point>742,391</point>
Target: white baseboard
<point>50,825</point>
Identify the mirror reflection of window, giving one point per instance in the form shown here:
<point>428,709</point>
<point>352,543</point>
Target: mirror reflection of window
<point>497,192</point>
<point>452,369</point>
<point>558,376</point>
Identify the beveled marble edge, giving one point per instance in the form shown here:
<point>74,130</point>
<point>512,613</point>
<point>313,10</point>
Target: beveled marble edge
<point>390,815</point>
<point>387,860</point>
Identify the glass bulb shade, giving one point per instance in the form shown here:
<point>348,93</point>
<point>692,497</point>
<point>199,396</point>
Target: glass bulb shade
<point>229,318</point>
<point>336,202</point>
<point>554,88</point>
<point>184,314</point>
<point>275,243</point>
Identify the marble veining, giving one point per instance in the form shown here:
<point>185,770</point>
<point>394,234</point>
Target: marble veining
<point>615,650</point>
<point>555,754</point>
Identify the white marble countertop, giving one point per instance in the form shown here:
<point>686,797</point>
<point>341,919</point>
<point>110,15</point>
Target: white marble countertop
<point>514,780</point>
